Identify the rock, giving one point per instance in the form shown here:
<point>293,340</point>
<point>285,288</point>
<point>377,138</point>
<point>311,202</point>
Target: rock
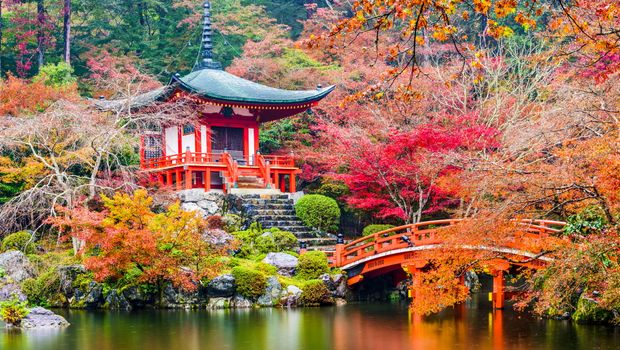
<point>272,293</point>
<point>192,195</point>
<point>340,301</point>
<point>16,266</point>
<point>341,288</point>
<point>219,303</point>
<point>240,302</point>
<point>116,301</point>
<point>94,296</point>
<point>290,296</point>
<point>11,290</point>
<point>222,286</point>
<point>217,237</point>
<point>67,275</point>
<point>188,206</point>
<point>471,281</point>
<point>284,263</point>
<point>208,206</point>
<point>589,311</point>
<point>327,281</point>
<point>137,297</point>
<point>178,298</point>
<point>43,318</point>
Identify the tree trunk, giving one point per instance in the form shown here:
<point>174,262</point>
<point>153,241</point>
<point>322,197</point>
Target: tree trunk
<point>67,30</point>
<point>40,33</point>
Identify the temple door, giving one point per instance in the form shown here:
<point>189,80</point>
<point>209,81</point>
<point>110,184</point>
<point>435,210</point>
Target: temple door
<point>229,140</point>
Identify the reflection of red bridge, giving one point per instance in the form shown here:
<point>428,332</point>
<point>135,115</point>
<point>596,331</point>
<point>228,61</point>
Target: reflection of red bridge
<point>398,249</point>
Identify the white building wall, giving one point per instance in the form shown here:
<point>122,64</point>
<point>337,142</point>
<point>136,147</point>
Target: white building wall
<point>251,146</point>
<point>172,140</point>
<point>203,138</point>
<point>189,141</point>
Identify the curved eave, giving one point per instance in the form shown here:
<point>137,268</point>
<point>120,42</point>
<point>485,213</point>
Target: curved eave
<point>320,94</point>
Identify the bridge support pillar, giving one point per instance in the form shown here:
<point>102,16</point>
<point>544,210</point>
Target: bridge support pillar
<point>415,271</point>
<point>498,290</point>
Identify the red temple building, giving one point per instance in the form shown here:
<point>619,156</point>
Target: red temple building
<point>220,151</point>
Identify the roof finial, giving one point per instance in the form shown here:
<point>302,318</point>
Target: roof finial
<point>207,46</point>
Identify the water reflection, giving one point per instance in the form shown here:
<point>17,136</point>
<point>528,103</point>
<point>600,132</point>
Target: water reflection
<point>362,326</point>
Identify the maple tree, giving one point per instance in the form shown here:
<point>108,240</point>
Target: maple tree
<point>128,239</point>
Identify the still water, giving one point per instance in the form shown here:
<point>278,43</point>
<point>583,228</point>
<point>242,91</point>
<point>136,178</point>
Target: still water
<point>354,326</point>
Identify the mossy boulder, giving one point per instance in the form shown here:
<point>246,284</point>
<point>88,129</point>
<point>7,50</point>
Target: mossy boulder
<point>588,311</point>
<point>22,241</point>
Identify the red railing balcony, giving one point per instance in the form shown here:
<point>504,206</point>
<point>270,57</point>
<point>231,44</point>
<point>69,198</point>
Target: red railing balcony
<point>196,158</point>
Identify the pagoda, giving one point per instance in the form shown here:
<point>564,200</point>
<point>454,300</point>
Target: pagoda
<point>220,149</point>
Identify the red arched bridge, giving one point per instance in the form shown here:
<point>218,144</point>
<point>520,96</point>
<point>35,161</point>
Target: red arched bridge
<point>397,249</point>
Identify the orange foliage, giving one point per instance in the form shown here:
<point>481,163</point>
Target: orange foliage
<point>19,96</point>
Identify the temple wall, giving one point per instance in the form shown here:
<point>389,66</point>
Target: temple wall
<point>172,140</point>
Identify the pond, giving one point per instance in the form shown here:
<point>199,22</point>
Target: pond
<point>353,326</point>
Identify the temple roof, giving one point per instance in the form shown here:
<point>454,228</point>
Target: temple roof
<point>220,85</point>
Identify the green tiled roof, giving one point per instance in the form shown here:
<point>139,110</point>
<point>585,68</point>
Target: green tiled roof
<point>220,85</point>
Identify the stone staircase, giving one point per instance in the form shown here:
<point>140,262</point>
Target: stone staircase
<point>277,210</point>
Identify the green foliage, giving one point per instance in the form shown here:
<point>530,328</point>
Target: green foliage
<point>319,211</point>
<point>13,311</point>
<point>56,75</point>
<point>296,58</point>
<point>315,293</point>
<point>590,220</point>
<point>274,136</point>
<point>374,228</point>
<point>332,189</point>
<point>256,240</point>
<point>40,289</point>
<point>21,240</point>
<point>250,283</point>
<point>312,264</point>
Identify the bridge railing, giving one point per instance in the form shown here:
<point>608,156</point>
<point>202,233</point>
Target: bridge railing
<point>419,234</point>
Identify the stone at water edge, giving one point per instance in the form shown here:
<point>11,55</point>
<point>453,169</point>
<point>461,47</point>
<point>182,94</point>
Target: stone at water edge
<point>222,286</point>
<point>219,303</point>
<point>16,266</point>
<point>290,296</point>
<point>272,292</point>
<point>284,263</point>
<point>10,291</point>
<point>43,318</point>
<point>240,302</point>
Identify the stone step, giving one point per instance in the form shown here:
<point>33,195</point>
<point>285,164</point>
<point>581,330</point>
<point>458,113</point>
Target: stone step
<point>261,202</point>
<point>276,217</point>
<point>291,223</point>
<point>258,196</point>
<point>319,242</point>
<point>269,206</point>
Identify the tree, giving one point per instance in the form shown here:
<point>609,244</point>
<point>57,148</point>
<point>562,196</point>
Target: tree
<point>128,238</point>
<point>66,12</point>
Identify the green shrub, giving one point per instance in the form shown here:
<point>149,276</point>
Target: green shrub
<point>21,240</point>
<point>250,283</point>
<point>232,222</point>
<point>253,240</point>
<point>276,241</point>
<point>590,220</point>
<point>40,289</point>
<point>56,75</point>
<point>312,264</point>
<point>319,211</point>
<point>374,228</point>
<point>13,311</point>
<point>315,293</point>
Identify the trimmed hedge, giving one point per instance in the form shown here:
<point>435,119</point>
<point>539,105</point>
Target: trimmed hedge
<point>19,241</point>
<point>319,211</point>
<point>374,228</point>
<point>315,293</point>
<point>250,283</point>
<point>312,264</point>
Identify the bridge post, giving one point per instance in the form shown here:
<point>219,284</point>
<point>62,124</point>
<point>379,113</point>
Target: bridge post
<point>498,289</point>
<point>339,249</point>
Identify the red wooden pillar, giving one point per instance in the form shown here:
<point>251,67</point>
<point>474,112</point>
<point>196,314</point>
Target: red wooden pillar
<point>246,145</point>
<point>292,186</point>
<point>207,180</point>
<point>276,179</point>
<point>160,178</point>
<point>282,184</point>
<point>169,178</point>
<point>339,250</point>
<point>498,289</point>
<point>188,179</point>
<point>178,179</point>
